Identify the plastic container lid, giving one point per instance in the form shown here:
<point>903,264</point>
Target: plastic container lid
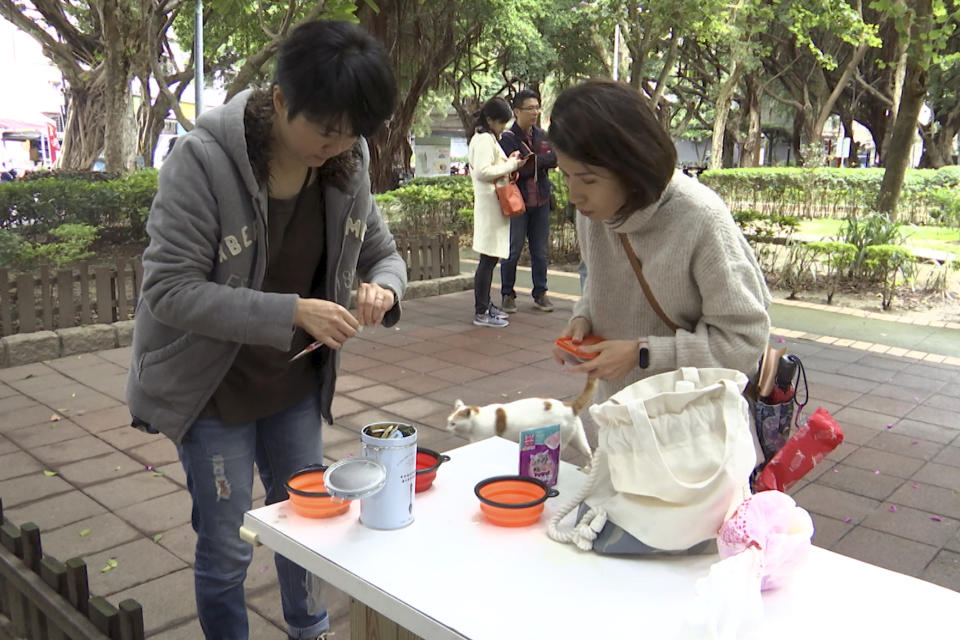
<point>354,478</point>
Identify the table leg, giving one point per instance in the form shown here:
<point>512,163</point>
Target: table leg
<point>366,624</point>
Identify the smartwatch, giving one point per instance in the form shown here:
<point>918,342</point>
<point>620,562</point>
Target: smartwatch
<point>643,360</point>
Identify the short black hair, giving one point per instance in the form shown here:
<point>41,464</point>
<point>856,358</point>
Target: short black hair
<point>612,125</point>
<point>524,95</point>
<point>496,109</point>
<point>330,70</point>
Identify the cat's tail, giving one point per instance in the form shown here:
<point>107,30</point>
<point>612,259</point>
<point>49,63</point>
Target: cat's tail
<point>583,400</point>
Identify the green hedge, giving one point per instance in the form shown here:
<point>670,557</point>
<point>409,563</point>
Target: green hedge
<point>35,207</point>
<point>434,203</point>
<point>429,206</point>
<point>927,194</point>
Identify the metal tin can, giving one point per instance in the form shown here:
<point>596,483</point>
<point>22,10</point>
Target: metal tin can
<point>392,506</point>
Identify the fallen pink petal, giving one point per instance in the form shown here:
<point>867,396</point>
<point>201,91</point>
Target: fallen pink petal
<point>848,519</point>
<point>936,518</point>
<point>914,442</point>
<point>893,508</point>
<point>916,486</point>
<point>835,470</point>
<point>877,472</point>
<point>889,426</point>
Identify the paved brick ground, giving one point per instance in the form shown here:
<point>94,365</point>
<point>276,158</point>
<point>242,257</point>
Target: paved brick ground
<point>890,495</point>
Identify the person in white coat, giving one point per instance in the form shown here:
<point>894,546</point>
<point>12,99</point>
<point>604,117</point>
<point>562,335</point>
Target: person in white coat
<point>491,229</point>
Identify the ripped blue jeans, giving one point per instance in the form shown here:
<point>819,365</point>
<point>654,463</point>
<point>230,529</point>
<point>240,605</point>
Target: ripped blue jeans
<point>218,460</point>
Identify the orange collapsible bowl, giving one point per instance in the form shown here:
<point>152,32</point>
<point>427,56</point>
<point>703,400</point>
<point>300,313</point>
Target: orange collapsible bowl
<point>309,496</point>
<point>428,461</point>
<point>513,501</point>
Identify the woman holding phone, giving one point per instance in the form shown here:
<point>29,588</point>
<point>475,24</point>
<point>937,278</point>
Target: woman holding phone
<point>619,164</point>
<point>491,229</point>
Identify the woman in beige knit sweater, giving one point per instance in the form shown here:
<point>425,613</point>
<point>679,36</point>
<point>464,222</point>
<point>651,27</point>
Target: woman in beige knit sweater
<point>619,166</point>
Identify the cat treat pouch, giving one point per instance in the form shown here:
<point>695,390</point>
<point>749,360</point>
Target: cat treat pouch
<point>673,460</point>
<point>540,453</point>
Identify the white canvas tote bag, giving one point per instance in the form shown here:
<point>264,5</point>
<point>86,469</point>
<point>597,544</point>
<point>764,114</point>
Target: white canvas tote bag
<point>673,459</point>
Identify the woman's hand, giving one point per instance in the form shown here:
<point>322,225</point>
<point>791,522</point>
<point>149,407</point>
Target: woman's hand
<point>615,359</point>
<point>577,328</point>
<point>326,321</point>
<point>373,301</point>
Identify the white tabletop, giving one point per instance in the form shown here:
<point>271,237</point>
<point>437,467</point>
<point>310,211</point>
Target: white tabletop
<point>452,574</point>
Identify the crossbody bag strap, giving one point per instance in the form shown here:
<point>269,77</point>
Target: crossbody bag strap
<point>638,269</point>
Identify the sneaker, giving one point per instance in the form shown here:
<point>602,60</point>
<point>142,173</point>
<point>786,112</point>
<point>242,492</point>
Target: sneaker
<point>487,320</point>
<point>509,304</point>
<point>543,303</point>
<point>496,312</point>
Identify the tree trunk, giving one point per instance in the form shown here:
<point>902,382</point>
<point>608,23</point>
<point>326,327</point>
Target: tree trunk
<point>810,152</point>
<point>932,158</point>
<point>899,76</point>
<point>905,127</point>
<point>84,129</point>
<point>722,111</point>
<point>750,153</point>
<point>119,136</point>
<point>847,121</point>
<point>149,128</point>
<point>387,147</point>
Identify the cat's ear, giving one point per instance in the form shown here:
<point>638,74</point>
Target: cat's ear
<point>463,412</point>
<point>458,404</point>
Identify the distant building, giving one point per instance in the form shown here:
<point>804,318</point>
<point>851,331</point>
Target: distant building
<point>445,145</point>
<point>31,101</point>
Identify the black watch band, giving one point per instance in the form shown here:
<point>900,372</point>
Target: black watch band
<point>643,359</point>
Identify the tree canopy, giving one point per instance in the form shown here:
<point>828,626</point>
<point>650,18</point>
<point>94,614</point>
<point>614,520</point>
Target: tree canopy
<point>731,71</point>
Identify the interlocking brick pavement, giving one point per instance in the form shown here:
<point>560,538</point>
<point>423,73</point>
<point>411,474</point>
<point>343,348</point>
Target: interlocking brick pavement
<point>890,495</point>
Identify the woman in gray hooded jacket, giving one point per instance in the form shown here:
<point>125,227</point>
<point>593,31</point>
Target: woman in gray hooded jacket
<point>262,220</point>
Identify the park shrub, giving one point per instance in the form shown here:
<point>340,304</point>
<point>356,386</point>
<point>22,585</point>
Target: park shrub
<point>119,206</point>
<point>797,271</point>
<point>887,261</point>
<point>764,232</point>
<point>835,259</point>
<point>864,231</point>
<point>828,192</point>
<point>428,206</point>
<point>946,206</point>
<point>71,242</point>
<point>85,175</point>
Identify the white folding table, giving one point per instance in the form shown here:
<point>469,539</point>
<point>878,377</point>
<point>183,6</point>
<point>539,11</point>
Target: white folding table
<point>452,574</point>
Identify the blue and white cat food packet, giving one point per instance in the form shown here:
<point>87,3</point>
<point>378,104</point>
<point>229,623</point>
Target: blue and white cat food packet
<point>540,453</point>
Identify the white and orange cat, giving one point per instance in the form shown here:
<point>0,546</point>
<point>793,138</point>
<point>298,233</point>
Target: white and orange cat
<point>508,419</point>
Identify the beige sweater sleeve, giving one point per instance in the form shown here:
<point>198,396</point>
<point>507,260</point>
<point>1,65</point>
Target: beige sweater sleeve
<point>734,326</point>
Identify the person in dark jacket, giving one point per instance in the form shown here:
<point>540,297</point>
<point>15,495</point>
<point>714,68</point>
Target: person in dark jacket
<point>262,220</point>
<point>534,225</point>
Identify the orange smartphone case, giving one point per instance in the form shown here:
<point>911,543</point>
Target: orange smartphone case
<point>566,343</point>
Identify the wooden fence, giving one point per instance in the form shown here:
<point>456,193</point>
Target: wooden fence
<point>45,599</point>
<point>83,293</point>
<point>429,257</point>
<point>78,294</point>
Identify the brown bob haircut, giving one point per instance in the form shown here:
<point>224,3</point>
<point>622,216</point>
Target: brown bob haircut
<point>611,125</point>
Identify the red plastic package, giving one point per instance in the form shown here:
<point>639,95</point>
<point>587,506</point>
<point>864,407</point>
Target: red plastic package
<point>815,439</point>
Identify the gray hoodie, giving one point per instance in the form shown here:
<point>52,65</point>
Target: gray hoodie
<point>203,270</point>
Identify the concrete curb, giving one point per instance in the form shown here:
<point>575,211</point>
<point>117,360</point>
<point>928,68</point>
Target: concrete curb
<point>38,346</point>
<point>26,348</point>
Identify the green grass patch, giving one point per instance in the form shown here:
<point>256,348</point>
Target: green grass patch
<point>923,236</point>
